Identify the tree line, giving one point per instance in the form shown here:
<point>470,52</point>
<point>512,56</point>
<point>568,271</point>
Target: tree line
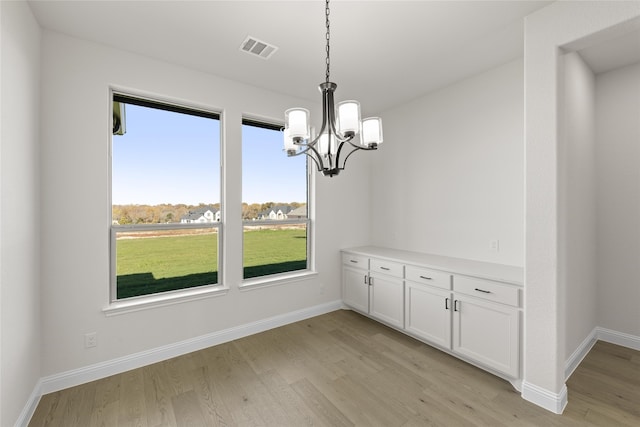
<point>169,213</point>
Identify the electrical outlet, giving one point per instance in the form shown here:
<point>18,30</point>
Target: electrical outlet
<point>90,340</point>
<point>322,289</point>
<point>494,245</point>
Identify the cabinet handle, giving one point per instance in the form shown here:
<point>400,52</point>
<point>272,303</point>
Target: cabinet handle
<point>385,268</point>
<point>426,278</point>
<point>483,291</point>
<point>365,279</point>
<point>353,261</point>
<point>370,281</point>
<point>455,305</point>
<point>446,303</point>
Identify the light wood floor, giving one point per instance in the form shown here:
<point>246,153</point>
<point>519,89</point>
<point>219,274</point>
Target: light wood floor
<point>339,369</point>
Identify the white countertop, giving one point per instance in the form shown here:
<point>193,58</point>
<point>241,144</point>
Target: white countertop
<point>484,270</point>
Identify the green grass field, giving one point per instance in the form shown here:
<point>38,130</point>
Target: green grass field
<point>165,263</point>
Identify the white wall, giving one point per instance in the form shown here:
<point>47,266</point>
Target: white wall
<point>451,178</point>
<point>618,153</point>
<point>569,25</point>
<point>577,202</point>
<point>20,334</point>
<point>75,262</point>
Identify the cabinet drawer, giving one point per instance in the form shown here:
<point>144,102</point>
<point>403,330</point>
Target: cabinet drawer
<point>435,278</point>
<point>386,267</point>
<point>485,289</point>
<point>358,261</point>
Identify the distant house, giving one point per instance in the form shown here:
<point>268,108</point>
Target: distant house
<point>201,215</point>
<point>298,213</point>
<point>276,213</point>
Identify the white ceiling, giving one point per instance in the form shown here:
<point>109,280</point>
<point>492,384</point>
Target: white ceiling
<point>383,53</point>
<point>611,54</point>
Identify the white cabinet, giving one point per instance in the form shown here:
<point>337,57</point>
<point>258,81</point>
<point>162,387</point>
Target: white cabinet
<point>474,318</point>
<point>486,323</point>
<point>478,320</point>
<point>487,333</point>
<point>355,282</point>
<point>377,291</point>
<point>387,299</point>
<point>428,304</point>
<point>428,313</point>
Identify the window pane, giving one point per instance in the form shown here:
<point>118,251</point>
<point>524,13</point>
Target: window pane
<point>166,157</point>
<point>274,188</point>
<point>274,249</point>
<point>165,170</point>
<point>155,261</point>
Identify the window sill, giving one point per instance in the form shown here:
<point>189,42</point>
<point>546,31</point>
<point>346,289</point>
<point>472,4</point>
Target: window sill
<point>161,300</point>
<point>276,280</point>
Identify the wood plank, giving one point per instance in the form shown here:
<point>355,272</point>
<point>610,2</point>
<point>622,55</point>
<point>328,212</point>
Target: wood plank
<point>79,405</point>
<point>214,410</point>
<point>187,410</point>
<point>158,393</point>
<point>106,402</point>
<point>50,409</point>
<point>322,407</point>
<point>132,408</point>
<point>291,404</point>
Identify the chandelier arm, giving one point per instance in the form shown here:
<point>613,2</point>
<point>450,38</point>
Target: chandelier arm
<point>319,166</point>
<point>331,114</point>
<point>342,145</point>
<point>344,162</point>
<point>325,93</point>
<point>360,147</point>
<point>317,158</point>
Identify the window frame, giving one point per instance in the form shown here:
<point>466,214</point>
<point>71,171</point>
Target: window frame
<point>284,277</point>
<point>161,298</point>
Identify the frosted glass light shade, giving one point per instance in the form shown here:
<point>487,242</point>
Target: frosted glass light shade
<point>324,146</point>
<point>349,117</point>
<point>288,141</point>
<point>371,131</point>
<point>297,121</point>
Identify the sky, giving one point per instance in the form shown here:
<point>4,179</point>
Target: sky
<point>167,157</point>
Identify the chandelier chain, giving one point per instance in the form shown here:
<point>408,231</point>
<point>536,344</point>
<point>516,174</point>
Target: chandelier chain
<point>328,36</point>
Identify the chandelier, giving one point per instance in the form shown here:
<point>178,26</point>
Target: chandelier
<point>340,126</point>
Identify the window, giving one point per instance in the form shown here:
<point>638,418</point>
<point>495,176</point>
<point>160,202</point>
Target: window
<point>275,204</point>
<point>165,197</point>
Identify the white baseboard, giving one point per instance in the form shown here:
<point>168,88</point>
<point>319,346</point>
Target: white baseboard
<point>579,354</point>
<point>618,338</point>
<point>30,407</point>
<point>554,402</point>
<point>97,371</point>
<point>599,334</point>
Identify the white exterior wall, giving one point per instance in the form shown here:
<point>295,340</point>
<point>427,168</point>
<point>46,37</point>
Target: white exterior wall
<point>20,323</point>
<point>452,165</point>
<point>75,148</point>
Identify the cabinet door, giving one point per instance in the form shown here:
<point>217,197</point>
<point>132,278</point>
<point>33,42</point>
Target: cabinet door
<point>428,313</point>
<point>387,299</point>
<point>355,288</point>
<point>487,333</point>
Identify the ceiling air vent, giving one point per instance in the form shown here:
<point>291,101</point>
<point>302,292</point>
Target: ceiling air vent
<point>257,47</point>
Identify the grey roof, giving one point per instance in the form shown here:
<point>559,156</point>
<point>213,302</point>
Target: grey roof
<point>198,212</point>
<point>299,211</point>
<point>284,208</point>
